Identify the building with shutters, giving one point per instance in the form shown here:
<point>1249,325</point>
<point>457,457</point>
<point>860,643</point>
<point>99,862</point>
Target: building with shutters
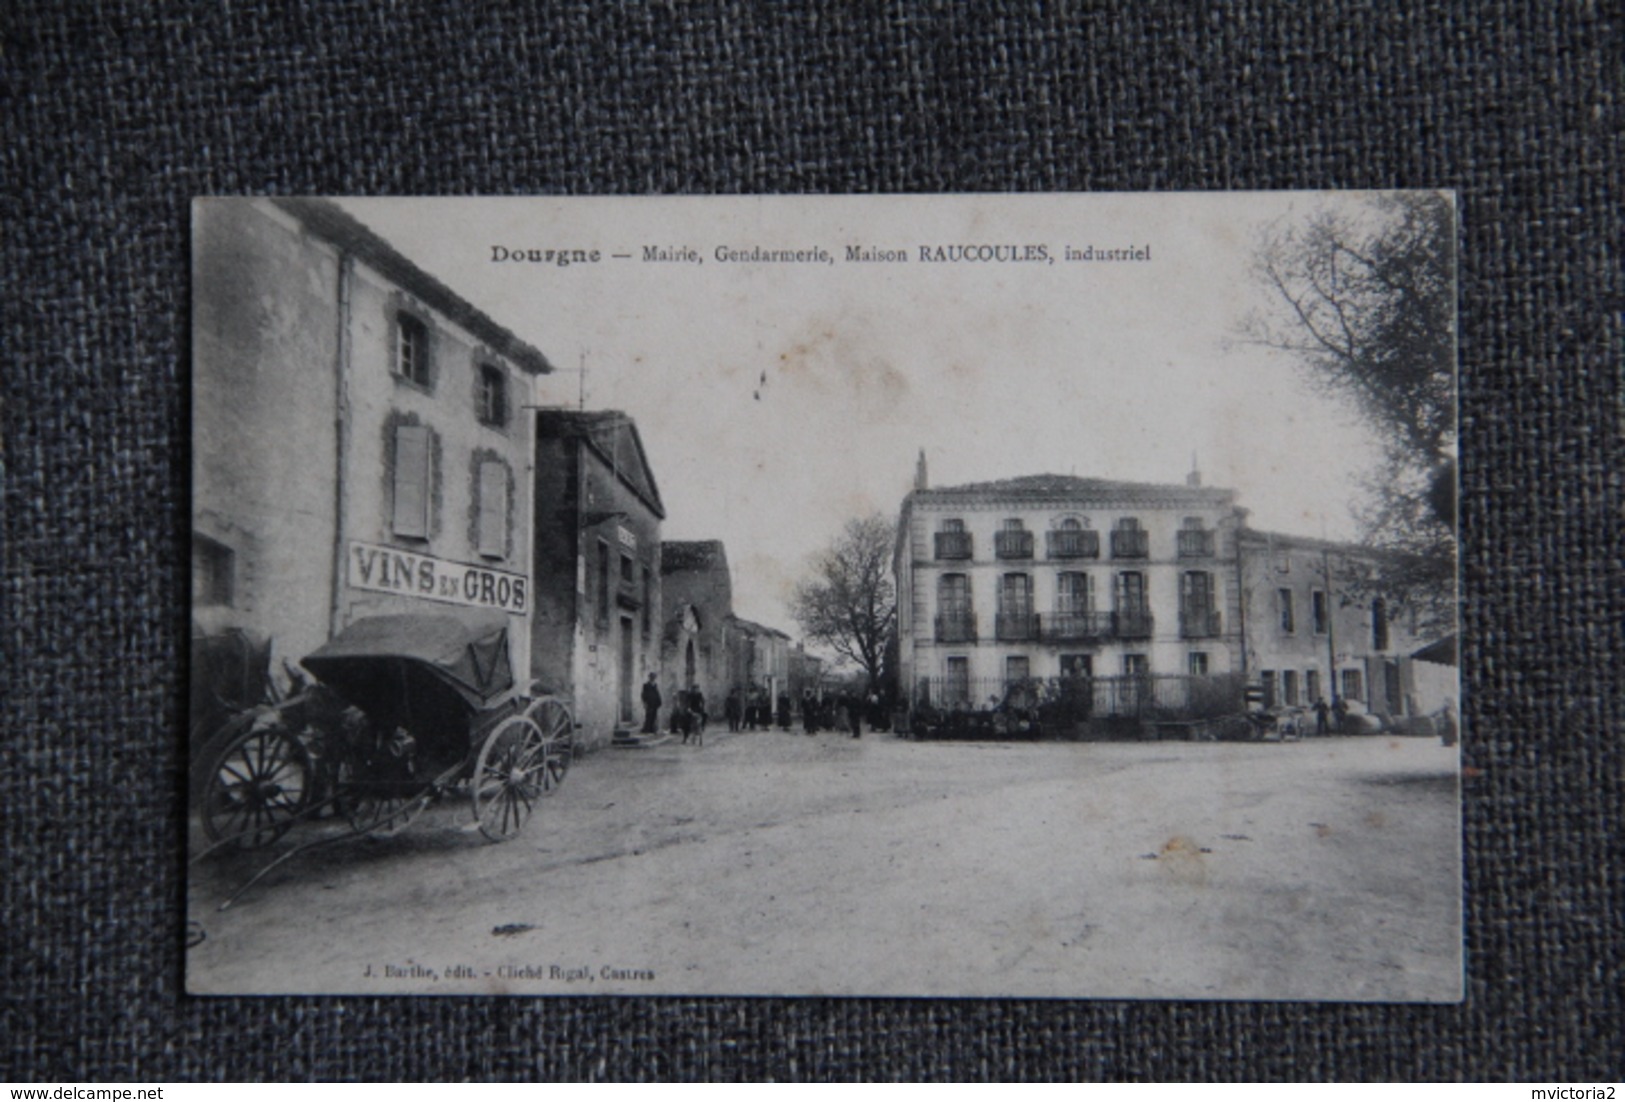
<point>1141,591</point>
<point>360,445</point>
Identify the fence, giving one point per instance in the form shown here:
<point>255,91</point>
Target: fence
<point>1061,701</point>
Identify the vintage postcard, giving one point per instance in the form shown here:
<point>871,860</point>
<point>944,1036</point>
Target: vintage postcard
<point>1005,595</point>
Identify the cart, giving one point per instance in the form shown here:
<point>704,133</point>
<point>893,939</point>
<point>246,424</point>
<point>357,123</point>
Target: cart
<point>404,709</point>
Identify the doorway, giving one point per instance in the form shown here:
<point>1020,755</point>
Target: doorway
<point>626,671</point>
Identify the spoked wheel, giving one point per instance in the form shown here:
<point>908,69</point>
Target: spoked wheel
<point>558,729</point>
<point>509,778</point>
<point>255,786</point>
<point>382,810</point>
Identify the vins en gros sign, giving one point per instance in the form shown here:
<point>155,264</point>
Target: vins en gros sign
<point>391,570</point>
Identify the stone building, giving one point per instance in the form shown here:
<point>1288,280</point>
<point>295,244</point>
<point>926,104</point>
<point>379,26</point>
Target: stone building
<point>359,445</point>
<point>1317,625</point>
<point>1053,575</point>
<point>759,658</point>
<point>596,568</point>
<point>1151,591</point>
<point>696,612</point>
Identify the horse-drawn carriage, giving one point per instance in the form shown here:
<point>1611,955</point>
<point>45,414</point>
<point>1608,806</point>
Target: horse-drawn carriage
<point>403,710</point>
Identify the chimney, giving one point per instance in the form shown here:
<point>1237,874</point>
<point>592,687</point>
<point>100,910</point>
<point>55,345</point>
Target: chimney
<point>1194,479</point>
<point>921,482</point>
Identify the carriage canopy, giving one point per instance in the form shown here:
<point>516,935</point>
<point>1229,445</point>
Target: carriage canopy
<point>377,661</point>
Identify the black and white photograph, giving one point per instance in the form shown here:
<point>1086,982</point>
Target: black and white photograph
<point>912,595</point>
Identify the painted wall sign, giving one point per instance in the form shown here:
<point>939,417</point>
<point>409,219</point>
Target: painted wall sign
<point>627,537</point>
<point>381,569</point>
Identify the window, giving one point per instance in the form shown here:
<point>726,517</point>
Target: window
<point>1267,679</point>
<point>1311,686</point>
<point>952,541</point>
<point>1353,685</point>
<point>1283,601</point>
<point>1379,624</point>
<point>1289,687</point>
<point>953,594</point>
<point>1136,665</point>
<point>956,689</point>
<point>1198,663</point>
<point>493,509</point>
<point>212,569</point>
<point>1013,541</point>
<point>1077,665</point>
<point>412,349</point>
<point>1129,540</point>
<point>1014,524</point>
<point>1071,524</point>
<point>491,398</point>
<point>1131,592</point>
<point>1016,670</point>
<point>1317,611</point>
<point>1016,595</point>
<point>603,583</point>
<point>1196,602</point>
<point>413,456</point>
<point>953,524</point>
<point>628,574</point>
<point>1076,593</point>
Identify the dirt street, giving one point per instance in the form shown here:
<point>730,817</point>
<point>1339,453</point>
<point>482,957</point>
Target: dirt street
<point>774,863</point>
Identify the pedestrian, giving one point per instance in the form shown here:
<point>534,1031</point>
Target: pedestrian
<point>696,707</point>
<point>784,711</point>
<point>651,705</point>
<point>731,709</point>
<point>855,717</point>
<point>1340,709</point>
<point>809,712</point>
<point>1322,712</point>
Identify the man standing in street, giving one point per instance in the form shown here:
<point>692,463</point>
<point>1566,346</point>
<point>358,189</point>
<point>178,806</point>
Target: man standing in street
<point>651,705</point>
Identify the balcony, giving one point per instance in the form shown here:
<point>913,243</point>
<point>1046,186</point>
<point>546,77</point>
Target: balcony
<point>956,627</point>
<point>1013,545</point>
<point>1016,627</point>
<point>1071,544</point>
<point>1200,623</point>
<point>1131,543</point>
<point>1132,624</point>
<point>1195,543</point>
<point>1066,627</point>
<point>953,545</point>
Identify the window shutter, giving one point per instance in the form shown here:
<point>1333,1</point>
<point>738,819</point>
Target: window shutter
<point>493,509</point>
<point>412,481</point>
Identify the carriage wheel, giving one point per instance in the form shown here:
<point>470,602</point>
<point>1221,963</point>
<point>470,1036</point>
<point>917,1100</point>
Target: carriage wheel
<point>509,778</point>
<point>255,786</point>
<point>382,813</point>
<point>558,729</point>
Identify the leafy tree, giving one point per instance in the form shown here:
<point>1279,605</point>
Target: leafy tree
<point>849,603</point>
<point>1364,299</point>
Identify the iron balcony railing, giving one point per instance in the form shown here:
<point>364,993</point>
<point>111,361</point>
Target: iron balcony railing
<point>1195,543</point>
<point>1060,627</point>
<point>1129,543</point>
<point>1016,627</point>
<point>1068,544</point>
<point>1199,623</point>
<point>1013,545</point>
<point>953,545</point>
<point>956,627</point>
<point>1132,624</point>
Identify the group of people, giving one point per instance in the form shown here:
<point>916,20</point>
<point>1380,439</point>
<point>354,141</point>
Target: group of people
<point>755,710</point>
<point>688,714</point>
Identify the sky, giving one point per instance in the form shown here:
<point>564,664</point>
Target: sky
<point>778,400</point>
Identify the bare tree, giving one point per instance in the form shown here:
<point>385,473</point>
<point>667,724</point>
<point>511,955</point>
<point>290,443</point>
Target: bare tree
<point>1365,301</point>
<point>849,603</point>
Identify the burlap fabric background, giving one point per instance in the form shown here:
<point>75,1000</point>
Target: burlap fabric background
<point>117,114</point>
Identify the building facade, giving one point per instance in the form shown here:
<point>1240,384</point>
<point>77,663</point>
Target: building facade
<point>1317,626</point>
<point>359,442</point>
<point>595,635</point>
<point>1053,575</point>
<point>696,608</point>
<point>1147,586</point>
